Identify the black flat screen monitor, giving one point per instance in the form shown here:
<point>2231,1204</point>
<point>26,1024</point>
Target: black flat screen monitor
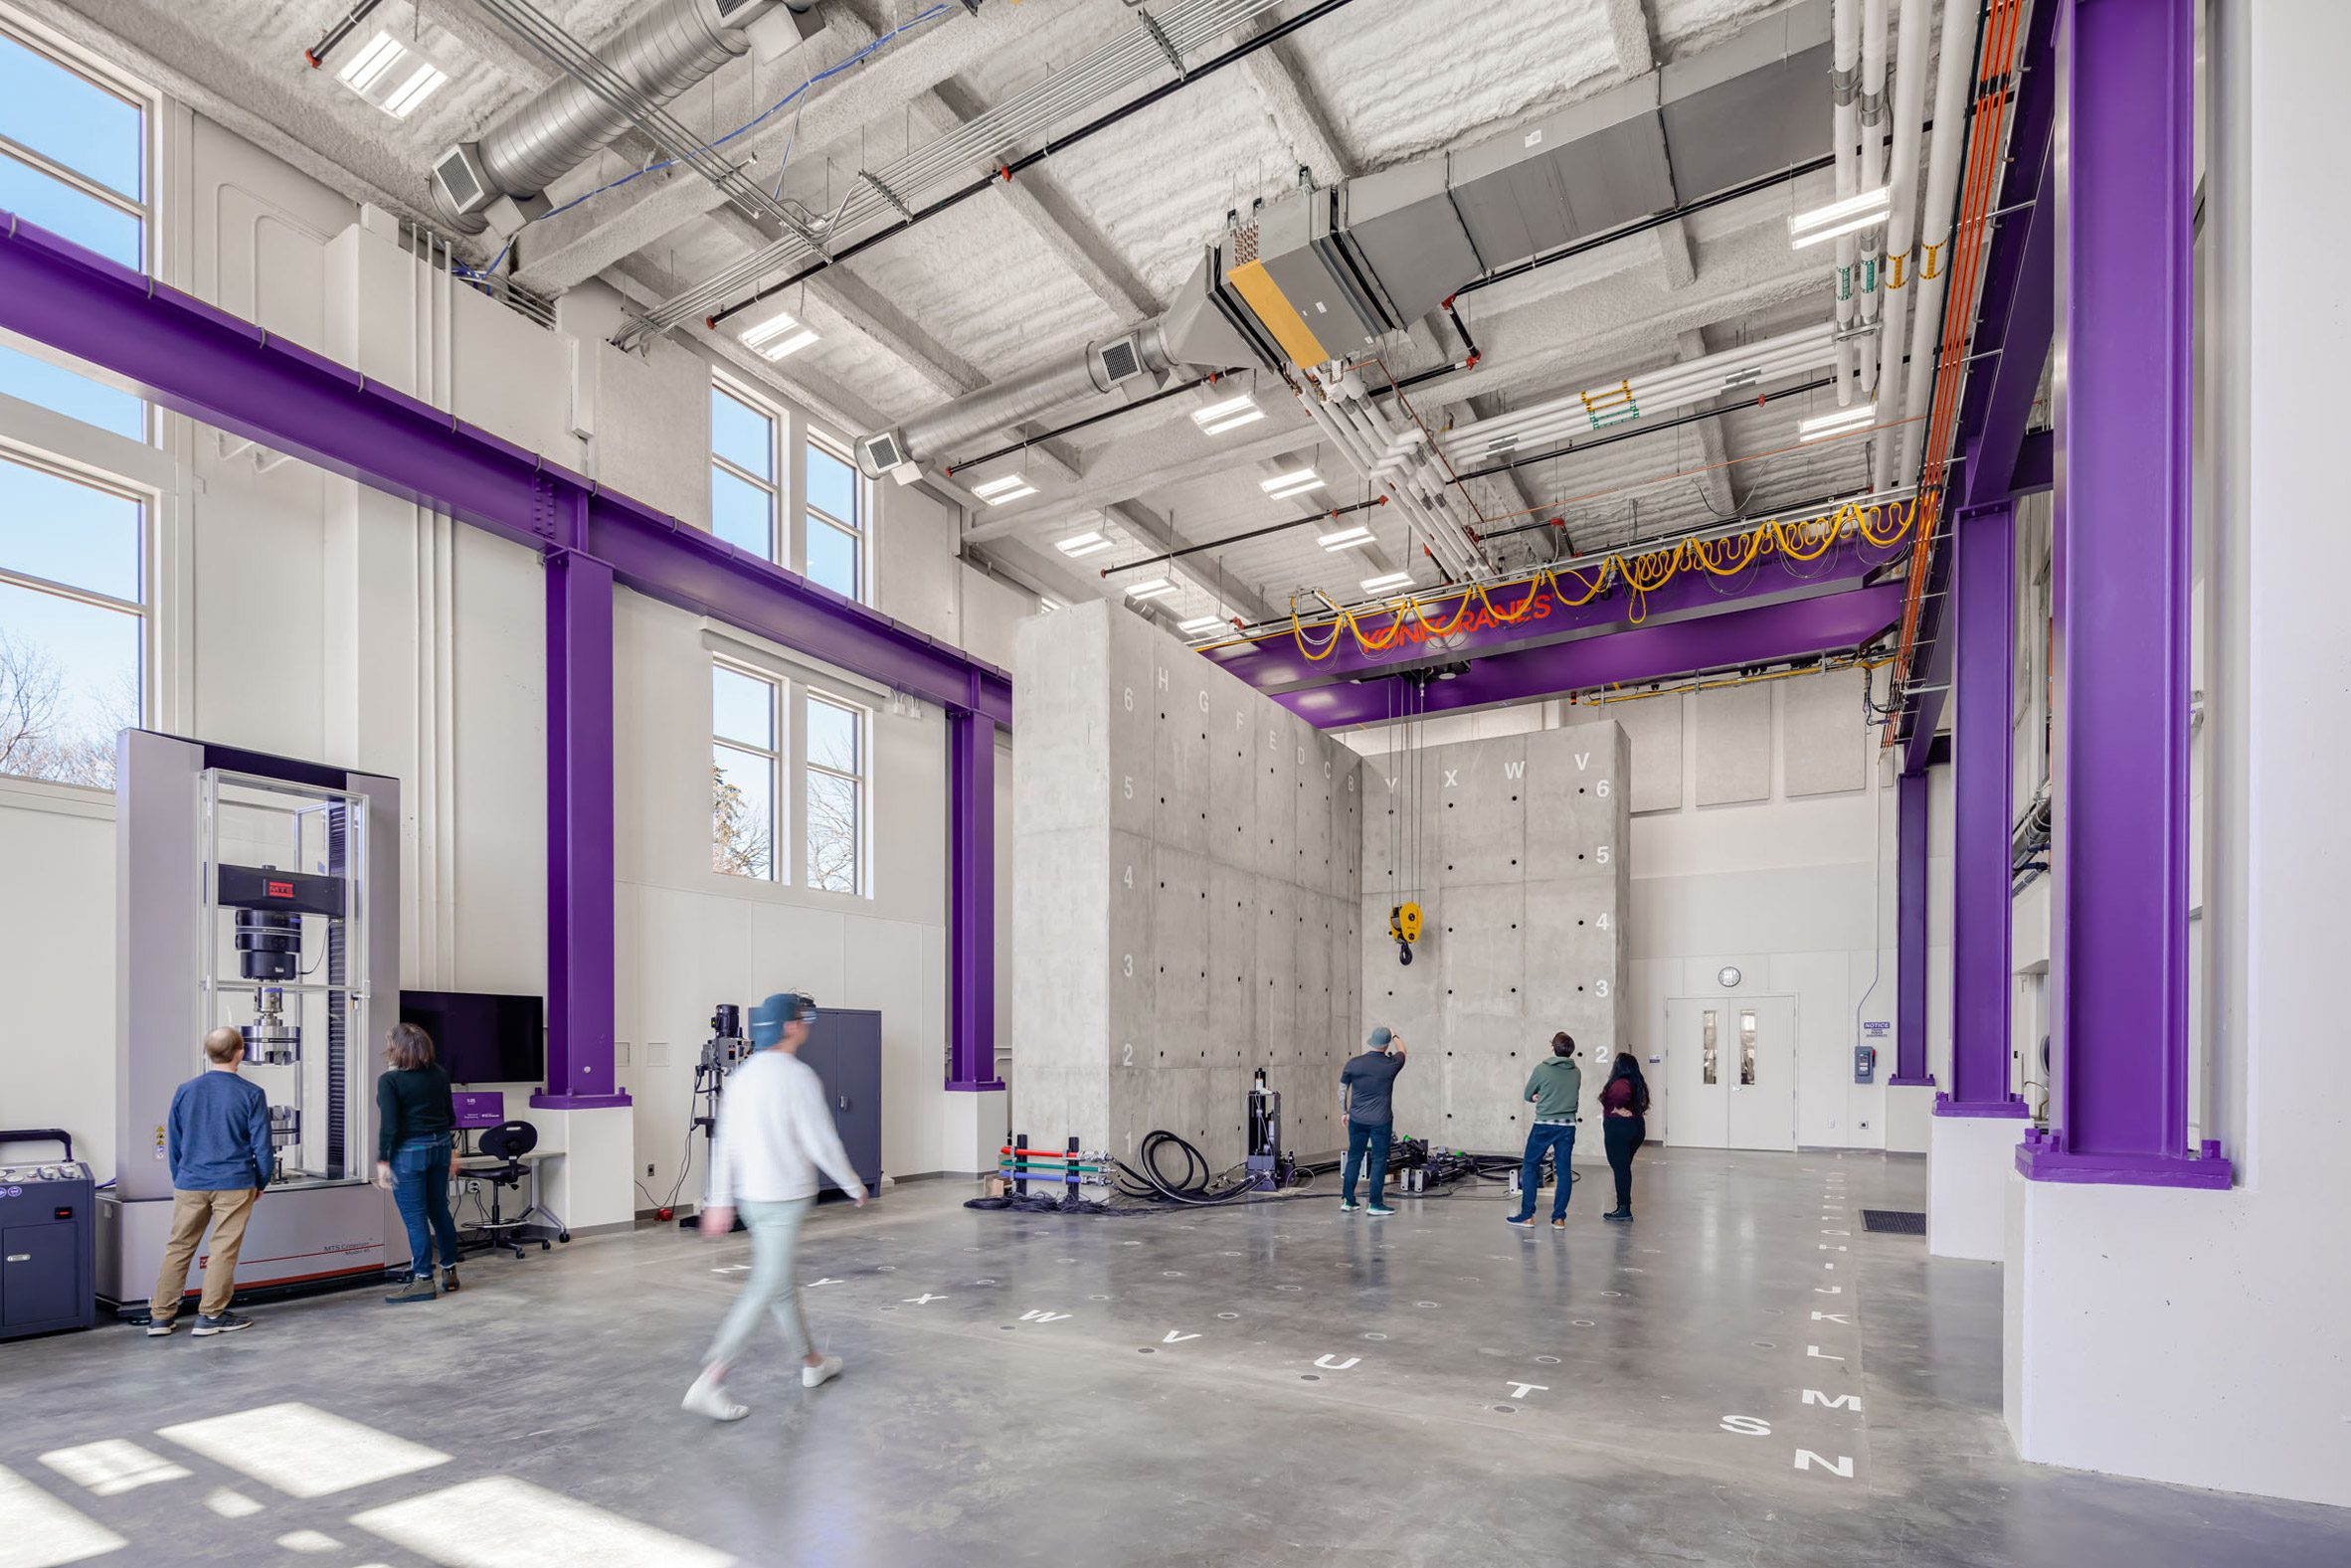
<point>480,1038</point>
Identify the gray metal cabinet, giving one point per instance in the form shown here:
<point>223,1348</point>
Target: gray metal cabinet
<point>845,1048</point>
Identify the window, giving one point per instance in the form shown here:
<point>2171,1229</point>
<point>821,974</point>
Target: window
<point>72,618</point>
<point>72,159</point>
<point>835,795</point>
<point>834,528</point>
<point>745,483</point>
<point>1708,1059</point>
<point>746,764</point>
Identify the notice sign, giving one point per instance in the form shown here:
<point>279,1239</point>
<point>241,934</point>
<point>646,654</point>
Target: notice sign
<point>1876,1029</point>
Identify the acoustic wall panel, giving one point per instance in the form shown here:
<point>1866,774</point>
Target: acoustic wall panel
<point>1733,725</point>
<point>1653,729</point>
<point>1826,736</point>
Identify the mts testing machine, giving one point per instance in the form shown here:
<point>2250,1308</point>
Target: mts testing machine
<point>261,893</point>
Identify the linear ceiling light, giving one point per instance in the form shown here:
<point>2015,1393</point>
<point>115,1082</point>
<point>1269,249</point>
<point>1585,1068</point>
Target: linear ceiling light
<point>1841,422</point>
<point>1007,487</point>
<point>779,336</point>
<point>1385,581</point>
<point>1345,539</point>
<point>1200,624</point>
<point>1298,482</point>
<point>392,75</point>
<point>1152,587</point>
<point>1083,544</point>
<point>1230,415</point>
<point>1849,216</point>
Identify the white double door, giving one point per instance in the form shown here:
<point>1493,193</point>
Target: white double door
<point>1730,1069</point>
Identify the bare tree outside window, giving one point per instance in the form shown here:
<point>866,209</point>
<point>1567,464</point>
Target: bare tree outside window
<point>41,736</point>
<point>740,845</point>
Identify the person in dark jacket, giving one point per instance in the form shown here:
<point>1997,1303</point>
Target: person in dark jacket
<point>1555,1089</point>
<point>220,1154</point>
<point>416,1120</point>
<point>1624,1126</point>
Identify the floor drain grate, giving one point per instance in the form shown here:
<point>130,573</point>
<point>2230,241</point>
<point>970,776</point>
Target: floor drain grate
<point>1897,1222</point>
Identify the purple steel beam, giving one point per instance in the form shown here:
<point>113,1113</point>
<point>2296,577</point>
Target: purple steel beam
<point>1274,664</point>
<point>2119,900</point>
<point>227,372</point>
<point>212,366</point>
<point>1760,634</point>
<point>971,990</point>
<point>2010,389</point>
<point>1910,874</point>
<point>1983,581</point>
<point>579,827</point>
<point>2012,281</point>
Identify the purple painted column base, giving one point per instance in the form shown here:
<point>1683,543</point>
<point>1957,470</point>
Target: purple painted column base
<point>1945,1106</point>
<point>541,1099</point>
<point>1910,1080</point>
<point>2043,1156</point>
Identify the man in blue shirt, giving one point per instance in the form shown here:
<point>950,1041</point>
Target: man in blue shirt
<point>220,1160</point>
<point>1364,1086</point>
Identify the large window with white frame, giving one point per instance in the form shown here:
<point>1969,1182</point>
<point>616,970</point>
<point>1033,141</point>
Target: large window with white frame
<point>834,785</point>
<point>747,480</point>
<point>746,772</point>
<point>73,538</point>
<point>832,522</point>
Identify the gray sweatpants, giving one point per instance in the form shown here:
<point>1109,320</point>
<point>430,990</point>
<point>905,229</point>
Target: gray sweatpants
<point>773,1286</point>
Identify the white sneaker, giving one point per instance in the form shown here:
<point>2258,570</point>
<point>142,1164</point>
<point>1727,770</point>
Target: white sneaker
<point>708,1398</point>
<point>824,1372</point>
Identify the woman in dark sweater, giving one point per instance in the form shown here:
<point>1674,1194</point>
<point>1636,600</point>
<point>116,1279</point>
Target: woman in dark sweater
<point>417,1119</point>
<point>1624,1108</point>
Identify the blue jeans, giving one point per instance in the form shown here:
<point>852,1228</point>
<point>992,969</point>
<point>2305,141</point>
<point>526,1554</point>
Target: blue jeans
<point>1359,1137</point>
<point>774,1286</point>
<point>1557,1138</point>
<point>420,1186</point>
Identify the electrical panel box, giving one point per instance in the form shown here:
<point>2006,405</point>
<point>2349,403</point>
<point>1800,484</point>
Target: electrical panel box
<point>1865,1063</point>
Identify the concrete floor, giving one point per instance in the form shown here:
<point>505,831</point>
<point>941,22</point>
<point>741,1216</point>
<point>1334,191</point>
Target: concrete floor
<point>1280,1385</point>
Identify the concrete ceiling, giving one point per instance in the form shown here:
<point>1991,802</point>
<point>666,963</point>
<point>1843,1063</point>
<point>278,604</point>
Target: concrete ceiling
<point>1096,238</point>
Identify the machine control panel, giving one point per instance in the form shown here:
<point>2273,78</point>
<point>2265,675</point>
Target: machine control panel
<point>28,1175</point>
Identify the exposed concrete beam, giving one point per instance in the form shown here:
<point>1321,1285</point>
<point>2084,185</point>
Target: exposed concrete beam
<point>1715,483</point>
<point>1630,36</point>
<point>1127,469</point>
<point>578,245</point>
<point>643,283</point>
<point>1200,571</point>
<point>1297,119</point>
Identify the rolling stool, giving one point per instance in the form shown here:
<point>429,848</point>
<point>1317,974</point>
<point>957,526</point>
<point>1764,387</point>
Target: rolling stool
<point>508,1141</point>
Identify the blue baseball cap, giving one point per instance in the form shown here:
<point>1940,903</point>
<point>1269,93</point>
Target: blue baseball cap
<point>767,1018</point>
<point>1380,1037</point>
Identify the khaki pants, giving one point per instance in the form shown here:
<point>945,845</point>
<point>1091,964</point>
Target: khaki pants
<point>226,1213</point>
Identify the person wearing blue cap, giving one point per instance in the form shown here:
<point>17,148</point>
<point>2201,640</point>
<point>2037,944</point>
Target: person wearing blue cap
<point>1364,1088</point>
<point>774,1133</point>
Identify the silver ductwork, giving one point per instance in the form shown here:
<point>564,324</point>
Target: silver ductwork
<point>670,47</point>
<point>1133,362</point>
<point>1318,274</point>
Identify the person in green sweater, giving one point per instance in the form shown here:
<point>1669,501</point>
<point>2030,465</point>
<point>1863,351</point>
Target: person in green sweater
<point>415,1121</point>
<point>1554,1088</point>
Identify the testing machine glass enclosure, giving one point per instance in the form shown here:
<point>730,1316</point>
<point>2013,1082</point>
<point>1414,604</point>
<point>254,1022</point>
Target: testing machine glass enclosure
<point>283,961</point>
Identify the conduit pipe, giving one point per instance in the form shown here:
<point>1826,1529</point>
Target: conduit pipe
<point>1898,280</point>
<point>1945,155</point>
<point>1873,167</point>
<point>1844,90</point>
<point>1637,396</point>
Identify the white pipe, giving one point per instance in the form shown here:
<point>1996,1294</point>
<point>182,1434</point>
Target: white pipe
<point>1872,162</point>
<point>1844,86</point>
<point>1910,105</point>
<point>1943,157</point>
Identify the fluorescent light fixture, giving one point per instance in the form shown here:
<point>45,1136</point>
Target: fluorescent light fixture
<point>1298,482</point>
<point>1008,487</point>
<point>1047,605</point>
<point>1841,422</point>
<point>1849,216</point>
<point>1345,539</point>
<point>1385,581</point>
<point>779,336</point>
<point>1152,587</point>
<point>1230,415</point>
<point>392,75</point>
<point>1083,544</point>
<point>1200,623</point>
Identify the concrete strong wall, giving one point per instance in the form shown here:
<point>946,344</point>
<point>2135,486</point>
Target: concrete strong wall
<point>1515,847</point>
<point>1186,878</point>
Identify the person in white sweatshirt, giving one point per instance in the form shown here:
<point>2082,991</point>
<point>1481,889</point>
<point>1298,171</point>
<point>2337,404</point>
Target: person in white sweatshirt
<point>774,1133</point>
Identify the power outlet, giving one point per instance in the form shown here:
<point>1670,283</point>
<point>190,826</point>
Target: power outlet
<point>649,1169</point>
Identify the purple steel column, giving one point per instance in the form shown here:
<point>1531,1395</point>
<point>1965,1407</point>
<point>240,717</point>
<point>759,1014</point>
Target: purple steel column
<point>1909,886</point>
<point>1983,579</point>
<point>2119,905</point>
<point>970,919</point>
<point>579,822</point>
